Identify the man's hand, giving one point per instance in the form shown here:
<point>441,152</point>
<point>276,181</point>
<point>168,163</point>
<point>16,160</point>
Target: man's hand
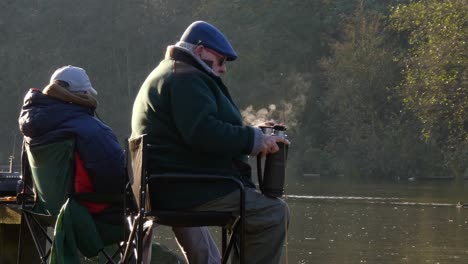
<point>269,123</point>
<point>269,144</point>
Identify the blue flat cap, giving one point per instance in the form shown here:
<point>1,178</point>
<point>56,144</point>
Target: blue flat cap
<point>203,33</point>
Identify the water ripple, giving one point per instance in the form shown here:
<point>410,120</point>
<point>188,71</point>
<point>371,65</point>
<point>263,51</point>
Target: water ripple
<point>368,199</point>
<point>341,197</point>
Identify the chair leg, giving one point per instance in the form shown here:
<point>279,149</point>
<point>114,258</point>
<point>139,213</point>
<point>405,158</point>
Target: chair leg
<point>43,230</point>
<point>40,249</point>
<point>130,242</point>
<point>230,245</point>
<point>118,251</point>
<point>235,241</point>
<point>140,239</point>
<point>20,240</point>
<point>108,257</point>
<point>223,239</point>
<point>47,254</point>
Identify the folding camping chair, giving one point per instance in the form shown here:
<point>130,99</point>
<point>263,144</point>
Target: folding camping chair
<point>48,175</point>
<point>232,222</point>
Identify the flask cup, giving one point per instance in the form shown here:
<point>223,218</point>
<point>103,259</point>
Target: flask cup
<point>272,180</point>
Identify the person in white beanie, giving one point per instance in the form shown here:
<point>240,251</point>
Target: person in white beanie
<point>65,108</point>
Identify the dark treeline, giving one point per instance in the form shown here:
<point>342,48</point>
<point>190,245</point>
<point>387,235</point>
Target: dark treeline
<point>374,89</point>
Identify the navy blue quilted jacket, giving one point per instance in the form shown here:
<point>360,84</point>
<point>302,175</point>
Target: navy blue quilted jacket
<point>44,119</point>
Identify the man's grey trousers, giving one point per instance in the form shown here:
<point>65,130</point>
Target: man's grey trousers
<point>267,220</point>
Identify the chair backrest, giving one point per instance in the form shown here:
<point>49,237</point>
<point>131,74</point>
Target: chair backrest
<point>52,169</point>
<point>136,169</point>
<point>157,191</point>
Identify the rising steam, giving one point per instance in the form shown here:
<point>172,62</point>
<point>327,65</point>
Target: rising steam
<point>252,117</point>
<point>289,110</point>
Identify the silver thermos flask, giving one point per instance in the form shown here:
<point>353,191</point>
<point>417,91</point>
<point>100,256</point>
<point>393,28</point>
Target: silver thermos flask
<point>273,179</point>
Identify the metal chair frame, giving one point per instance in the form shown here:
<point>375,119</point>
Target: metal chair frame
<point>183,218</point>
<point>30,218</point>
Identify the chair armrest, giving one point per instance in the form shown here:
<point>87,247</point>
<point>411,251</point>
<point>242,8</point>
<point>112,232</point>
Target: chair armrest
<point>198,178</point>
<point>24,198</point>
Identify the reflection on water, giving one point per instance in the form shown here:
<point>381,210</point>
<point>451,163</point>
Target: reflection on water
<point>333,231</point>
<point>343,222</point>
<point>378,223</point>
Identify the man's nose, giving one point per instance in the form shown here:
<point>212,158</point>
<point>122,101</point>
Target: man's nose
<point>223,68</point>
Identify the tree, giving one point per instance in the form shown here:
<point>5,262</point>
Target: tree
<point>367,133</point>
<point>435,87</point>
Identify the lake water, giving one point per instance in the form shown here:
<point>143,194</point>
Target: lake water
<point>347,222</point>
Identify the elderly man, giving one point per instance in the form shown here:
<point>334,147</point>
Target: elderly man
<point>190,117</point>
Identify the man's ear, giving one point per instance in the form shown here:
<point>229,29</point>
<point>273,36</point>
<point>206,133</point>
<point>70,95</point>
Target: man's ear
<point>198,50</point>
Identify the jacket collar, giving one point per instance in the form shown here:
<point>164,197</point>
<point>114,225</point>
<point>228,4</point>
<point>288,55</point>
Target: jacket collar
<point>60,93</point>
<point>183,55</point>
<point>187,56</point>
